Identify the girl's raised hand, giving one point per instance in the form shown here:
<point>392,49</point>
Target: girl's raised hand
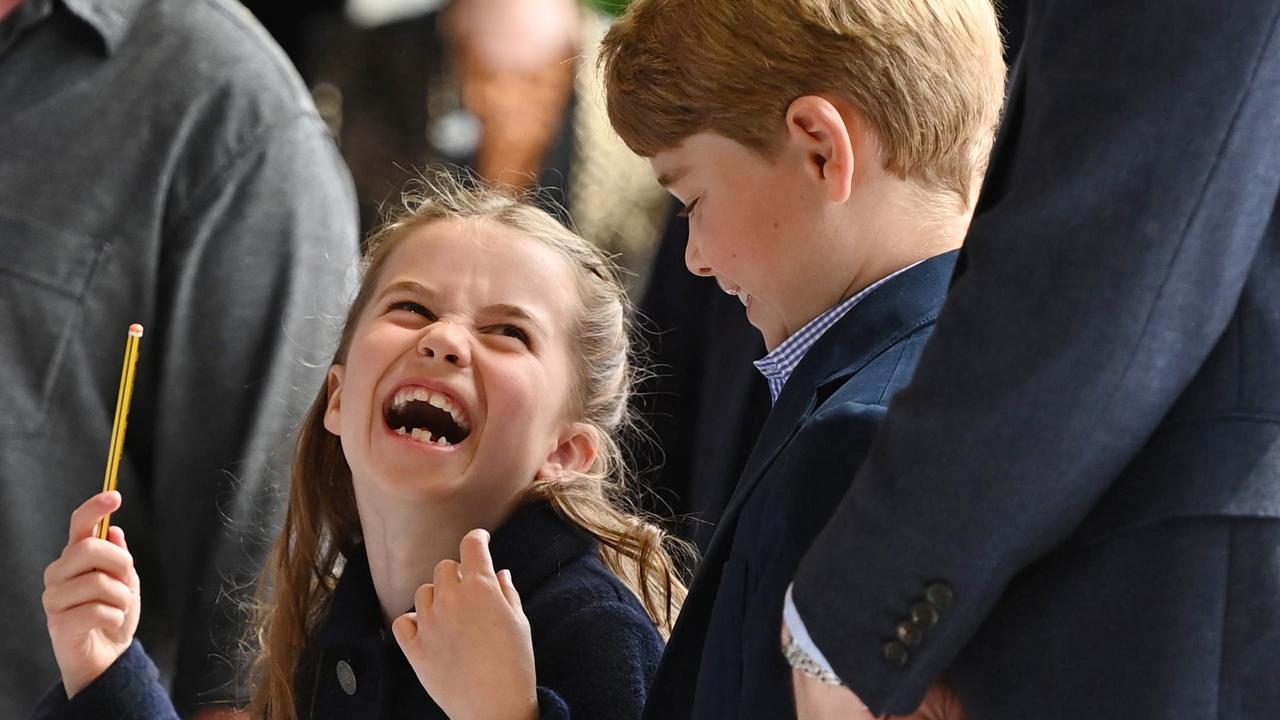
<point>91,596</point>
<point>468,639</point>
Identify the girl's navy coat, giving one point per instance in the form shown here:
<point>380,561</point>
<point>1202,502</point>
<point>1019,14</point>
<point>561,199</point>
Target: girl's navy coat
<point>595,647</point>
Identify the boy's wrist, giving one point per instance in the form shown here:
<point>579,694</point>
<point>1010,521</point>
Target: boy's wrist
<point>799,660</point>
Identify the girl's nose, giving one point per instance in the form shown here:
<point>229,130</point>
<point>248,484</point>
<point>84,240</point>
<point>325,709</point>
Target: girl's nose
<point>446,341</point>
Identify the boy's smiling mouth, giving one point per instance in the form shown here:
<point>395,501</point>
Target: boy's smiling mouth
<point>734,291</point>
<point>426,416</point>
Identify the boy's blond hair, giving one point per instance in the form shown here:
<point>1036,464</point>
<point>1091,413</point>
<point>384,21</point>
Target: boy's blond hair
<point>927,76</point>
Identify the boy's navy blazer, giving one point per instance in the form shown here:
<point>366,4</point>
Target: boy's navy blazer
<point>723,658</point>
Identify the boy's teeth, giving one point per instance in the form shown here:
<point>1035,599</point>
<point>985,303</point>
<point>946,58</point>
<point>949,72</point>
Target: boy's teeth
<point>441,441</point>
<point>420,435</point>
<point>401,431</point>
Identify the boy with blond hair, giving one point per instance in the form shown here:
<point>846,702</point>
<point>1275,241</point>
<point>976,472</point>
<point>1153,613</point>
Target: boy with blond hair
<point>828,153</point>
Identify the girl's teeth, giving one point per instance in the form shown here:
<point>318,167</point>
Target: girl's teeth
<point>401,431</point>
<point>441,441</point>
<point>434,399</point>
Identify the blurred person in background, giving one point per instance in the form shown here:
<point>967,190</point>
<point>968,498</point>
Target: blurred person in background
<point>507,88</point>
<point>160,162</point>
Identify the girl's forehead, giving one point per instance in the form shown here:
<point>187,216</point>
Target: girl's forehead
<point>478,262</point>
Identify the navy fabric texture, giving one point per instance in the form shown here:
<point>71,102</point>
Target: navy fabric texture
<point>723,659</point>
<point>1089,453</point>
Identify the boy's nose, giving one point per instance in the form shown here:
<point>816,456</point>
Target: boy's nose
<point>694,261</point>
<point>443,340</point>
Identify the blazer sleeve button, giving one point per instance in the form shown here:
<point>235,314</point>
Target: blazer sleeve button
<point>924,614</point>
<point>896,653</point>
<point>909,633</point>
<point>940,595</point>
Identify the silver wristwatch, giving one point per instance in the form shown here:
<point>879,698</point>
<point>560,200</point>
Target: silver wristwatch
<point>799,659</point>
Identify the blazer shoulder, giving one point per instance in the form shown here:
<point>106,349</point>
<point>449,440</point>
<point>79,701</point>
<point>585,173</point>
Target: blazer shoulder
<point>874,382</point>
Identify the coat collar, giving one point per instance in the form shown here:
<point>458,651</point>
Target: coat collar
<point>533,544</point>
<point>110,20</point>
<point>896,309</point>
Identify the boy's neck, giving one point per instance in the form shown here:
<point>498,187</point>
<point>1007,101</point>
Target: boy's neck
<point>899,227</point>
<point>405,541</point>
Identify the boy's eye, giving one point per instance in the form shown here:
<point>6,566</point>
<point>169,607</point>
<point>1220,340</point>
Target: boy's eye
<point>688,209</point>
<point>413,307</point>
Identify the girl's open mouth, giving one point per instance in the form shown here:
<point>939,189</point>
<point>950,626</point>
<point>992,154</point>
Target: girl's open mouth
<point>426,416</point>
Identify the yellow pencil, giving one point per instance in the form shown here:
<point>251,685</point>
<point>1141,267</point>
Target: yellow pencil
<point>123,396</point>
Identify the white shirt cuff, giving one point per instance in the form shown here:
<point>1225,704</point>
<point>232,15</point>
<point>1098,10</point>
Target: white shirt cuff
<point>795,626</point>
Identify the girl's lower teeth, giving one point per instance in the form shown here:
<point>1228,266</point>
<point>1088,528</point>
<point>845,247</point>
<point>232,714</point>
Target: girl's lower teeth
<point>423,436</point>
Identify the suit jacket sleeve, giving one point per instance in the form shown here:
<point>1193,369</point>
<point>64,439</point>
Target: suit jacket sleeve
<point>255,271</point>
<point>1134,180</point>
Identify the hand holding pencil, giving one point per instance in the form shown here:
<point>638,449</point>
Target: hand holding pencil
<point>92,596</point>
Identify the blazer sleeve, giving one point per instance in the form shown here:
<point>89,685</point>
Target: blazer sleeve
<point>1134,181</point>
<point>128,690</point>
<point>605,657</point>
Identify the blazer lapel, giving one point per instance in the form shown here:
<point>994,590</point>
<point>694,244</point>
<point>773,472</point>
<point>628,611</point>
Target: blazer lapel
<point>891,312</point>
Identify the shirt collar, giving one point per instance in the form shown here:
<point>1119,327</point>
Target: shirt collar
<point>110,19</point>
<point>780,362</point>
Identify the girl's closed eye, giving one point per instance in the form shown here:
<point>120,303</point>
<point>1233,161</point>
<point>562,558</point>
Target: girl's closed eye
<point>512,331</point>
<point>412,307</point>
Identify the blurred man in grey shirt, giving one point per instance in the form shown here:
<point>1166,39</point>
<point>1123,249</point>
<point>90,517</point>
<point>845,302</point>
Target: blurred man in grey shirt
<point>160,162</point>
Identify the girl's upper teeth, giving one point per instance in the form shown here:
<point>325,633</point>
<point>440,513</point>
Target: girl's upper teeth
<point>435,399</point>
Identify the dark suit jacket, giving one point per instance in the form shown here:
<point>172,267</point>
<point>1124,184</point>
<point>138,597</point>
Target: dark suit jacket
<point>594,646</point>
<point>1089,454</point>
<point>723,659</point>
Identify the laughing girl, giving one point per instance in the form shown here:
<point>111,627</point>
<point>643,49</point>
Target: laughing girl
<point>456,542</point>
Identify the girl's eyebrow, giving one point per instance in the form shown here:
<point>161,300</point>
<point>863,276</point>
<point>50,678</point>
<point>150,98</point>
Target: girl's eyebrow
<point>405,286</point>
<point>515,312</point>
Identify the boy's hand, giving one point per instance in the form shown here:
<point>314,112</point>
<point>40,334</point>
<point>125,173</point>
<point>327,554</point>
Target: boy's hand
<point>468,639</point>
<point>91,596</point>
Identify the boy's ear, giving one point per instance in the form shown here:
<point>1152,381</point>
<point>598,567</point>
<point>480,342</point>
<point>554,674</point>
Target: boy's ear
<point>817,129</point>
<point>574,452</point>
<point>333,411</point>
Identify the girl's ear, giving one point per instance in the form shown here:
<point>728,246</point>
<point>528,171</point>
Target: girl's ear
<point>333,411</point>
<point>816,128</point>
<point>575,452</point>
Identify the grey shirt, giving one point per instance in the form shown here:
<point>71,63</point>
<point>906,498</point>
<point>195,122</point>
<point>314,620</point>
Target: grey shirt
<point>160,162</point>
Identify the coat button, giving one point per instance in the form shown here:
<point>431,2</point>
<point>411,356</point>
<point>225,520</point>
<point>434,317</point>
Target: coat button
<point>896,653</point>
<point>346,677</point>
<point>940,595</point>
<point>910,633</point>
<point>924,614</point>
